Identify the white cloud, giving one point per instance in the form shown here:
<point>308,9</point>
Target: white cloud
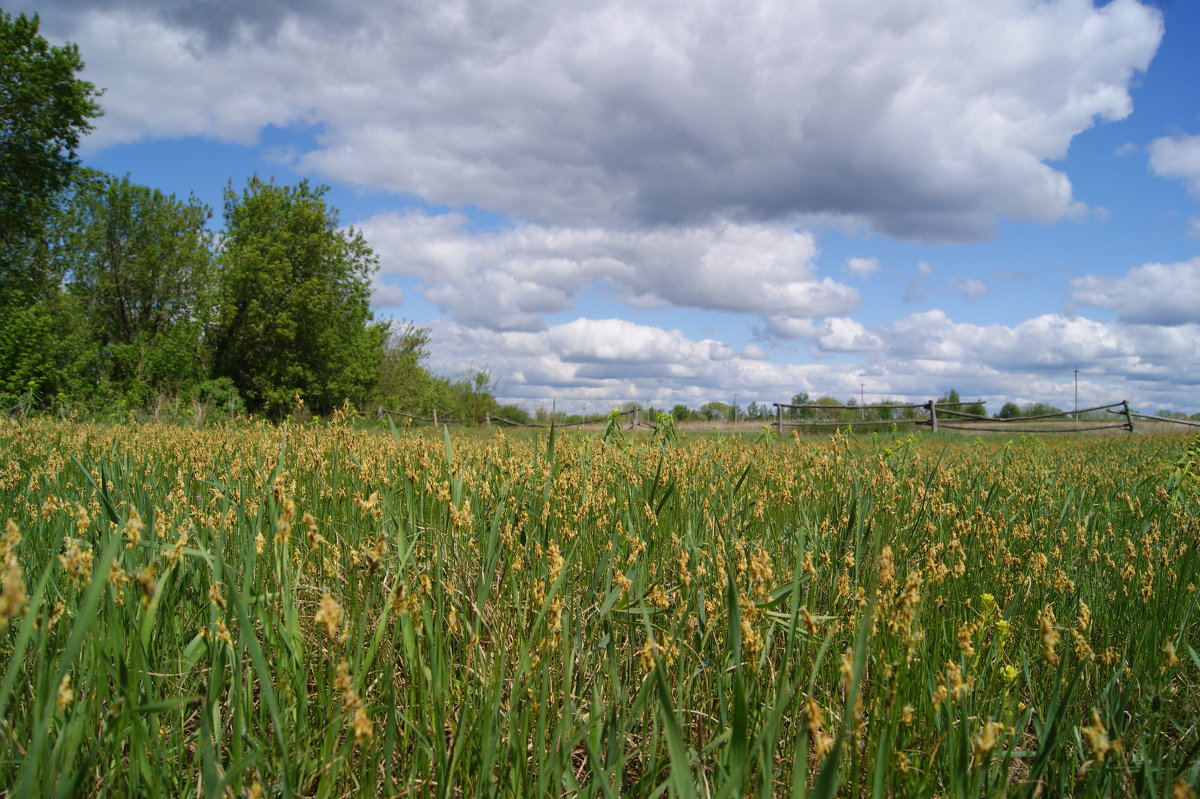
<point>915,118</point>
<point>863,267</point>
<point>508,279</point>
<point>1177,157</point>
<point>607,361</point>
<point>1151,294</point>
<point>386,296</point>
<point>969,287</point>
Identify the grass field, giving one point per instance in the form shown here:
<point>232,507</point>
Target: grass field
<point>327,611</point>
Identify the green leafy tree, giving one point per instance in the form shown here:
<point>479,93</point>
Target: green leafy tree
<point>405,384</point>
<point>139,263</point>
<point>801,398</point>
<point>473,397</point>
<point>1010,410</point>
<point>827,415</point>
<point>681,413</point>
<point>293,315</point>
<point>44,110</point>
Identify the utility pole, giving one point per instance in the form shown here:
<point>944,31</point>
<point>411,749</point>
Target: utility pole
<point>1077,392</point>
<point>735,407</point>
<point>862,412</point>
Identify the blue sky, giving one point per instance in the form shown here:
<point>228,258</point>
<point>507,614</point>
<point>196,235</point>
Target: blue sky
<point>684,201</point>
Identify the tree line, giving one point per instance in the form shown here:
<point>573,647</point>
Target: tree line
<point>118,295</point>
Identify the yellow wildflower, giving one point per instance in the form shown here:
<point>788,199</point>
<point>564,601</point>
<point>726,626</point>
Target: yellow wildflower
<point>66,694</point>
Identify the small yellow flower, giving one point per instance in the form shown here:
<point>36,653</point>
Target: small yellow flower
<point>1097,739</point>
<point>1009,672</point>
<point>361,725</point>
<point>1172,658</point>
<point>133,528</point>
<point>66,694</point>
<point>1049,634</point>
<point>330,614</point>
<point>986,740</point>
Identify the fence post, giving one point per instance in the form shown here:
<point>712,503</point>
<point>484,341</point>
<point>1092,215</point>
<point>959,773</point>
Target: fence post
<point>379,413</point>
<point>779,418</point>
<point>635,419</point>
<point>1128,418</point>
<point>932,414</point>
<point>435,417</point>
<point>488,416</point>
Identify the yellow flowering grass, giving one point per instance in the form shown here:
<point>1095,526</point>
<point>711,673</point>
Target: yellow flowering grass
<point>324,610</point>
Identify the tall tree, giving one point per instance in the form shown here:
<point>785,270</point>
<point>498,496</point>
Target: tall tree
<point>140,264</point>
<point>293,315</point>
<point>44,110</point>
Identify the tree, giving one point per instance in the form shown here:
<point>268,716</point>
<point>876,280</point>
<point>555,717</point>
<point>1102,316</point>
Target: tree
<point>1010,410</point>
<point>44,110</point>
<point>140,264</point>
<point>800,398</point>
<point>293,315</point>
<point>404,383</point>
<point>716,411</point>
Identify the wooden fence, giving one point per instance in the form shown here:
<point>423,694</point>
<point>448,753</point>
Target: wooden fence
<point>938,416</point>
<point>943,416</point>
<point>490,418</point>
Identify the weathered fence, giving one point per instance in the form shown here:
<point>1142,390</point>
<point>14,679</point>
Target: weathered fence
<point>939,412</point>
<point>489,418</point>
<point>1153,418</point>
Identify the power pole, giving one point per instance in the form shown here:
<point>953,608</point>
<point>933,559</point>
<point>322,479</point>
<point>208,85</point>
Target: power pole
<point>1077,392</point>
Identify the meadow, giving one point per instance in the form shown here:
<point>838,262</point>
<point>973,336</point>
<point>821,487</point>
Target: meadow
<point>326,610</point>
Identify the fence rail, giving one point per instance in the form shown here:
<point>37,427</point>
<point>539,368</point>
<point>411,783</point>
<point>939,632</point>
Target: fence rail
<point>939,416</point>
<point>958,420</point>
<point>1153,418</point>
<point>491,417</point>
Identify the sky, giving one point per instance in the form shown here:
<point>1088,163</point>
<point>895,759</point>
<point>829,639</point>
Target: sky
<point>688,201</point>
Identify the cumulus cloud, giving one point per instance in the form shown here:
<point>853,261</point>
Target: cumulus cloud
<point>386,296</point>
<point>603,362</point>
<point>1177,157</point>
<point>969,287</point>
<point>508,279</point>
<point>1151,294</point>
<point>863,268</point>
<point>916,118</point>
<point>914,290</point>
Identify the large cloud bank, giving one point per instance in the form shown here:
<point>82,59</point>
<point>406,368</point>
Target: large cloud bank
<point>915,118</point>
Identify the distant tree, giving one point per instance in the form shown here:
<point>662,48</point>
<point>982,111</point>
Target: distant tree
<point>513,413</point>
<point>293,314</point>
<point>1010,410</point>
<point>1038,409</point>
<point>716,411</point>
<point>474,397</point>
<point>827,415</point>
<point>754,412</point>
<point>885,413</point>
<point>404,383</point>
<point>800,398</point>
<point>140,264</point>
<point>681,413</point>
